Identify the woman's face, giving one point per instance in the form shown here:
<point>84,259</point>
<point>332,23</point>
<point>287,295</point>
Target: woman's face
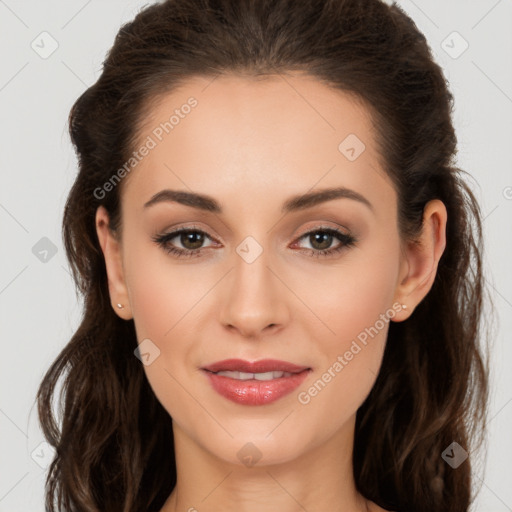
<point>252,282</point>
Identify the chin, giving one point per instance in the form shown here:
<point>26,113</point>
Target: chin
<point>256,448</point>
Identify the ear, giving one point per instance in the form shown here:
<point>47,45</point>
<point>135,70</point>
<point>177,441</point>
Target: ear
<point>418,266</point>
<point>111,247</point>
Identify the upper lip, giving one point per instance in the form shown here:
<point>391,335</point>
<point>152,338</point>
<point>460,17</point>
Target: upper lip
<point>262,366</point>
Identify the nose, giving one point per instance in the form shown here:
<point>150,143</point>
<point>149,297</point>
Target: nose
<point>255,299</point>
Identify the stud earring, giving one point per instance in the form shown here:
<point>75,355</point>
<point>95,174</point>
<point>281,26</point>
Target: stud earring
<point>120,306</point>
<point>404,306</point>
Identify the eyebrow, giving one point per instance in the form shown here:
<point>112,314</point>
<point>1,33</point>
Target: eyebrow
<point>295,203</point>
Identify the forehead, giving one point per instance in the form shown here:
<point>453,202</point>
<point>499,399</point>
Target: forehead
<point>279,135</point>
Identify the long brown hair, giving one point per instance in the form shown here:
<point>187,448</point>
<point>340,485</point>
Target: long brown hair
<point>114,446</point>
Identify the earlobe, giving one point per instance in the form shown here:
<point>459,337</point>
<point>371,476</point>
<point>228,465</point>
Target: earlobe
<point>422,258</point>
<point>111,248</point>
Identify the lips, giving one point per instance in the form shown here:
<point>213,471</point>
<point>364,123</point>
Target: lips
<point>263,366</point>
<point>257,383</point>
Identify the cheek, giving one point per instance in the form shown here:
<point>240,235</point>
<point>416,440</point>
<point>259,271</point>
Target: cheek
<point>160,292</point>
<point>353,307</point>
<point>163,300</point>
<point>350,296</point>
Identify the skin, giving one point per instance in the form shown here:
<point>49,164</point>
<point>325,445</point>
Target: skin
<point>251,144</point>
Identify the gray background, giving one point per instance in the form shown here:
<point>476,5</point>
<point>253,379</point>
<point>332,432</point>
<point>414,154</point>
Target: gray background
<point>38,306</point>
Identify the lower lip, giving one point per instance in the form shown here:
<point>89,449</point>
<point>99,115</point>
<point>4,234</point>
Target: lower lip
<point>255,392</point>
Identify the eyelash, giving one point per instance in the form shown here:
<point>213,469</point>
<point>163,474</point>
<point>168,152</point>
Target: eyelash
<point>163,241</point>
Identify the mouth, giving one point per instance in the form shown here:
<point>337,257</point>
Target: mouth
<point>255,383</point>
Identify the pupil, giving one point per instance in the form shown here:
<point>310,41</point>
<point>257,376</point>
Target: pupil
<point>189,237</point>
<point>326,236</point>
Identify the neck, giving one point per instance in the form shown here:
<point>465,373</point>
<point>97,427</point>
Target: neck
<point>321,478</point>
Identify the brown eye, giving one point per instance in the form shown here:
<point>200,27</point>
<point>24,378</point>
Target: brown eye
<point>194,238</point>
<point>191,241</point>
<point>321,240</point>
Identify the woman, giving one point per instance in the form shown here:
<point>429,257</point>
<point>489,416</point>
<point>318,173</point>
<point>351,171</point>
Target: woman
<point>280,267</point>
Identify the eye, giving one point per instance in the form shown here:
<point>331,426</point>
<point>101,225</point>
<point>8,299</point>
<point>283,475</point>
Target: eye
<point>321,240</point>
<point>191,240</point>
